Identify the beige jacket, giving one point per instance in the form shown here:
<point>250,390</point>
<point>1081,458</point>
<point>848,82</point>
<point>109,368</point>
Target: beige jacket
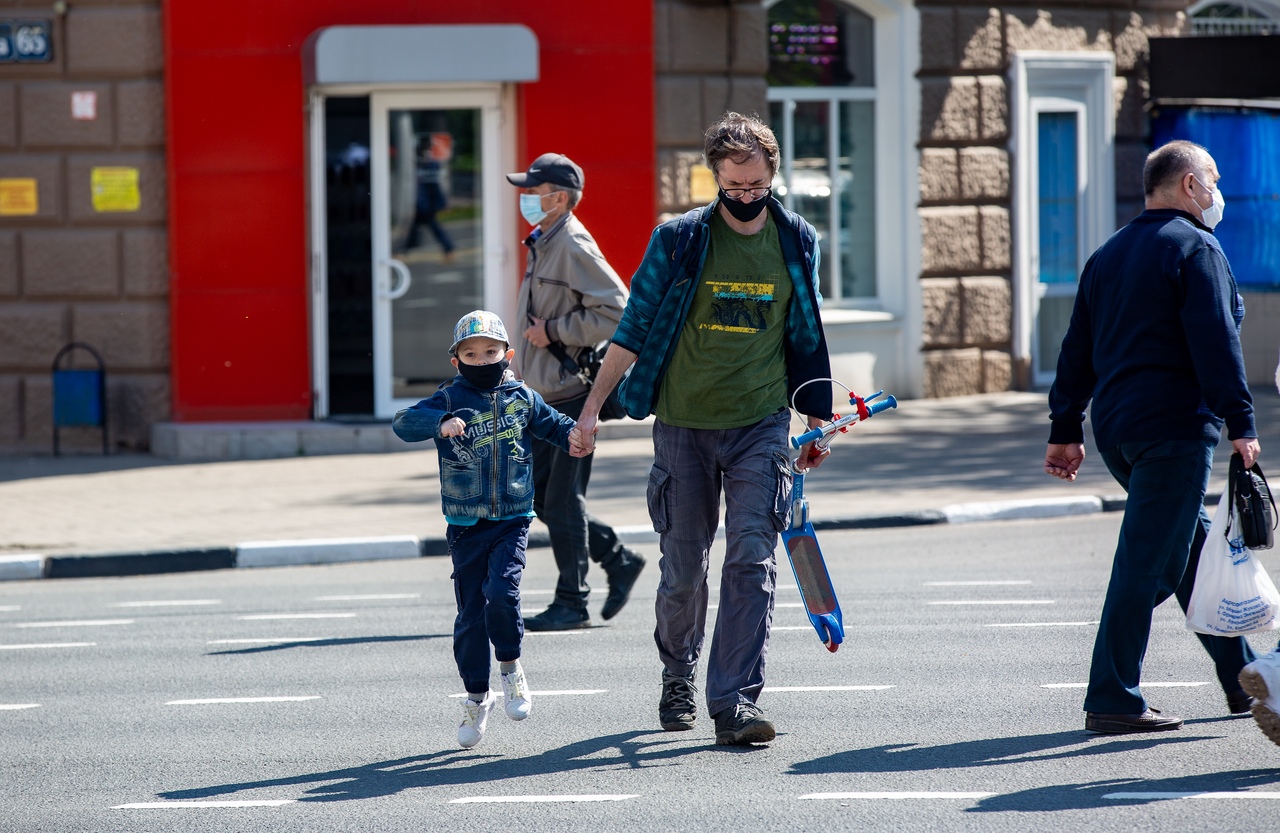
<point>568,282</point>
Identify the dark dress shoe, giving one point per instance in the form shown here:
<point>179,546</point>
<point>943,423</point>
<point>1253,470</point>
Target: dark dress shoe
<point>1125,724</point>
<point>620,585</point>
<point>558,618</point>
<point>1239,702</point>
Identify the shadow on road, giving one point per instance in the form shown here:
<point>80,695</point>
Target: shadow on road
<point>1093,795</point>
<point>980,753</point>
<point>459,767</point>
<point>329,643</point>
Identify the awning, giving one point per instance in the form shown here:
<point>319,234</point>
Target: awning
<point>420,54</point>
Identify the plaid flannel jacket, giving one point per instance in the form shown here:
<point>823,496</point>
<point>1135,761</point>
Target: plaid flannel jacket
<point>662,292</point>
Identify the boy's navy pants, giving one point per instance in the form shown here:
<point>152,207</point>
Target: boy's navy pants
<point>488,560</point>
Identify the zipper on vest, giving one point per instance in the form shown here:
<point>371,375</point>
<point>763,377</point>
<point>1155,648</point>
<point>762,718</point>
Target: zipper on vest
<point>493,453</point>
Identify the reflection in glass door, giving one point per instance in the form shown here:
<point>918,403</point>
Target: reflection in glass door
<point>1058,207</point>
<point>434,165</point>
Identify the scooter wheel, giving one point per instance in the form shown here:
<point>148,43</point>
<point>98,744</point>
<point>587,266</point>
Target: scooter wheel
<point>832,646</point>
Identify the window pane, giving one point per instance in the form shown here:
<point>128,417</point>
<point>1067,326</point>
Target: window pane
<point>857,183</point>
<point>820,43</point>
<point>1059,198</point>
<point>810,188</point>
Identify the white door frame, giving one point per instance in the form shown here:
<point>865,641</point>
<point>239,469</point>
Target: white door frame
<point>495,102</point>
<point>1045,82</point>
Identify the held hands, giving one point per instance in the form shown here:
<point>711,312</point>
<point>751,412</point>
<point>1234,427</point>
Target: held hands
<point>452,427</point>
<point>1062,460</point>
<point>581,443</point>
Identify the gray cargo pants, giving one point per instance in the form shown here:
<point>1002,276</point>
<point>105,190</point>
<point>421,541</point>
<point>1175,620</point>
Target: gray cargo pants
<point>691,466</point>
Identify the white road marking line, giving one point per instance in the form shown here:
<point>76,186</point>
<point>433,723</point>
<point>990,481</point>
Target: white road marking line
<point>257,617</point>
<point>537,799</point>
<point>368,597</point>
<point>828,687</point>
<point>219,700</point>
<point>1170,795</point>
<point>996,602</point>
<point>170,603</point>
<point>553,692</point>
<point>524,592</point>
<point>1144,685</point>
<point>894,795</point>
<point>269,641</point>
<point>970,583</point>
<point>10,608</point>
<point>48,645</point>
<point>791,628</point>
<point>84,623</point>
<point>13,707</point>
<point>178,805</point>
<point>1039,624</point>
<point>574,632</point>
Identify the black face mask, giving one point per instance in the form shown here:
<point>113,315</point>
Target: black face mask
<point>744,212</point>
<point>484,376</point>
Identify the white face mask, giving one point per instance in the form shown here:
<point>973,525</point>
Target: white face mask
<point>1212,215</point>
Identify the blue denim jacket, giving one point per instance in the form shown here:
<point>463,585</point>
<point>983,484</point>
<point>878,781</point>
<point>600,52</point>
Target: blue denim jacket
<point>487,472</point>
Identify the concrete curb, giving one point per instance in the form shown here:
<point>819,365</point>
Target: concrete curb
<point>252,554</point>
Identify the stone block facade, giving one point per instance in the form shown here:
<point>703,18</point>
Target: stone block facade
<point>80,269</point>
<point>965,168</point>
<point>709,58</point>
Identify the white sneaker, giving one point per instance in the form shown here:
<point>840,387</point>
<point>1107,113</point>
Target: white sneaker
<point>515,690</point>
<point>475,719</point>
<point>1261,679</point>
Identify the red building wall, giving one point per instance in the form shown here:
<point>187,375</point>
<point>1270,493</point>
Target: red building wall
<point>237,136</point>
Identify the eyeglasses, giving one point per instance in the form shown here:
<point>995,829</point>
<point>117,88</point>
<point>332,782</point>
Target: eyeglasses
<point>739,193</point>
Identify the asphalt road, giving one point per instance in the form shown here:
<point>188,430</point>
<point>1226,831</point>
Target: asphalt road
<point>952,706</point>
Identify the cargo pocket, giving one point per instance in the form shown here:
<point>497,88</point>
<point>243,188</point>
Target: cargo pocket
<point>656,497</point>
<point>781,514</point>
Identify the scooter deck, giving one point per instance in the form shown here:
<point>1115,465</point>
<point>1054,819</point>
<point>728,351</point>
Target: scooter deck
<point>812,578</point>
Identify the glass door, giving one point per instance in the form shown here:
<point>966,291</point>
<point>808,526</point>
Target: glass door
<point>1059,255</point>
<point>435,186</point>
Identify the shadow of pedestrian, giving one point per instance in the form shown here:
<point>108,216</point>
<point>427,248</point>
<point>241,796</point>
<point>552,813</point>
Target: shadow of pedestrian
<point>981,753</point>
<point>459,767</point>
<point>285,644</point>
<point>1122,792</point>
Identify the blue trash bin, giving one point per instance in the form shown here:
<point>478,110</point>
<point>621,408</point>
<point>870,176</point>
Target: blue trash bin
<point>79,396</point>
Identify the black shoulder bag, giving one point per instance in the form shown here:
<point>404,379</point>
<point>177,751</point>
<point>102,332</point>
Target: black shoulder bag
<point>1252,504</point>
<point>585,369</point>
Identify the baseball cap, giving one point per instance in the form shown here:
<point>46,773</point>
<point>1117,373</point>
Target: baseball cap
<point>475,324</point>
<point>555,168</point>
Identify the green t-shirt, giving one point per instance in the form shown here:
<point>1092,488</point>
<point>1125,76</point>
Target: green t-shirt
<point>729,367</point>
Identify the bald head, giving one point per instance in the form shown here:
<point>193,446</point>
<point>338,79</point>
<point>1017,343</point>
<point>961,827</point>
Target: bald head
<point>1179,174</point>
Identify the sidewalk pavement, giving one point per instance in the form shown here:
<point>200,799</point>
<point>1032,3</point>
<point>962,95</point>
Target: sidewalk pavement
<point>929,461</point>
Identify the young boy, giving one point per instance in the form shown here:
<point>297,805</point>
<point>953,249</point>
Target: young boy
<point>481,421</point>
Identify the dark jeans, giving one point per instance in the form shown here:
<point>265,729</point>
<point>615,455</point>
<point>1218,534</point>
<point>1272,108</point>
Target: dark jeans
<point>690,467</point>
<point>1164,527</point>
<point>488,561</point>
<point>560,502</point>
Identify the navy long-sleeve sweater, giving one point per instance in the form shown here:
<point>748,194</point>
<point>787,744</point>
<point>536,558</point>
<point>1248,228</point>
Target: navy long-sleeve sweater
<point>1154,340</point>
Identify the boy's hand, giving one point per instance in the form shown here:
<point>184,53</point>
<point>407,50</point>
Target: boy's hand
<point>452,427</point>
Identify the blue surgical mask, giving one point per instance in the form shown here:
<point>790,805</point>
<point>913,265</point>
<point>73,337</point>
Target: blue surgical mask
<point>531,208</point>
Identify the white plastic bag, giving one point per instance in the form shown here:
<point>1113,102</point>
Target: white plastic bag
<point>1233,595</point>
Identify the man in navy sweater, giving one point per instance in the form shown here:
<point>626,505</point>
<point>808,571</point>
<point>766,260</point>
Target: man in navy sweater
<point>1154,342</point>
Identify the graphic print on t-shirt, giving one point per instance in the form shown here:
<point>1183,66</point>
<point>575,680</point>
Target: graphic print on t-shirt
<point>738,307</point>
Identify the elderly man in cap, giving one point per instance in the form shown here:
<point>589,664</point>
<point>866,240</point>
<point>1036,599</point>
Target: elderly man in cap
<point>571,301</point>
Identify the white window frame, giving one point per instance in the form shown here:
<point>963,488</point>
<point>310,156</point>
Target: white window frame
<point>896,100</point>
<point>1081,82</point>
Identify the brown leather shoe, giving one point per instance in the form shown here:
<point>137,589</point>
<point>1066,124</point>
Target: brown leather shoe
<point>1125,724</point>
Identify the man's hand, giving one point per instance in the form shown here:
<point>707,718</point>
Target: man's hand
<point>1248,449</point>
<point>584,433</point>
<point>580,444</point>
<point>1062,460</point>
<point>452,427</point>
<point>536,332</point>
<point>812,456</point>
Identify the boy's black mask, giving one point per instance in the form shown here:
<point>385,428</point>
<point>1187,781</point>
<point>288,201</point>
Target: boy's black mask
<point>484,376</point>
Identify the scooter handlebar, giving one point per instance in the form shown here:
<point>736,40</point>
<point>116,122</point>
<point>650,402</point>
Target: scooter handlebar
<point>830,428</point>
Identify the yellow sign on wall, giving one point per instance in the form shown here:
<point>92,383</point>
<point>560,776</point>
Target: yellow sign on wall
<point>115,189</point>
<point>18,197</point>
<point>702,185</point>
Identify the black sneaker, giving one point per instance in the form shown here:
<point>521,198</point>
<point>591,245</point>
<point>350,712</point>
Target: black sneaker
<point>743,724</point>
<point>677,712</point>
<point>620,585</point>
<point>557,617</point>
